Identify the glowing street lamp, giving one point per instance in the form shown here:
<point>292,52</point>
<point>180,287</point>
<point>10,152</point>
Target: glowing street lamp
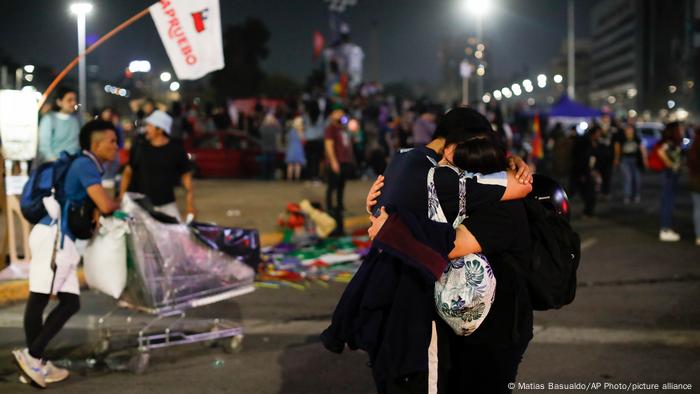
<point>165,76</point>
<point>81,10</point>
<point>478,8</point>
<point>174,86</point>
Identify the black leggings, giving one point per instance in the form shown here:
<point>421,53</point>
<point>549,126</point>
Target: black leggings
<point>38,332</point>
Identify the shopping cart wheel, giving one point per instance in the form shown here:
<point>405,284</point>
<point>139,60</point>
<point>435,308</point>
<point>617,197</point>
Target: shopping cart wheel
<point>212,342</point>
<point>139,362</point>
<point>233,344</point>
<point>102,347</point>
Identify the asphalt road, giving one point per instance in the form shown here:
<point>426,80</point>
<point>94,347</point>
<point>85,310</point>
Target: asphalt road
<point>635,320</point>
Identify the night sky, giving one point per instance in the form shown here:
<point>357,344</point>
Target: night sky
<point>520,33</point>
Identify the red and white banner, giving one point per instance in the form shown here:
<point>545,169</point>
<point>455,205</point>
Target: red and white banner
<point>191,34</point>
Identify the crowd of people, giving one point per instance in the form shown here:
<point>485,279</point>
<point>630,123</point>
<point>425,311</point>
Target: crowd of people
<point>587,163</point>
<point>338,140</point>
<point>315,138</point>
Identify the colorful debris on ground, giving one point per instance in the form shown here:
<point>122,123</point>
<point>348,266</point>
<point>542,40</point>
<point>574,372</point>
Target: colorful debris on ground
<point>301,263</point>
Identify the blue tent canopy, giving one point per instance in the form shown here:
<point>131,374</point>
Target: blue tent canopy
<point>567,108</point>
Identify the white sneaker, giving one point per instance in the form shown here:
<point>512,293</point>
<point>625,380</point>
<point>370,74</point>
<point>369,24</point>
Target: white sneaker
<point>52,374</point>
<point>668,235</point>
<point>30,366</point>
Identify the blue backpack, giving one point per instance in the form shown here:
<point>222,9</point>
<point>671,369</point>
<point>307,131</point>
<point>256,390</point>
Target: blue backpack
<point>44,181</point>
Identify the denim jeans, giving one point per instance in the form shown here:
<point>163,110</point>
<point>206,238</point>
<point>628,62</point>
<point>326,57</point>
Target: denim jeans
<point>696,212</point>
<point>631,177</point>
<point>669,189</point>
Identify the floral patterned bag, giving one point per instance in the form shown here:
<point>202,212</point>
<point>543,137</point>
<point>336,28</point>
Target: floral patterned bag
<point>465,291</point>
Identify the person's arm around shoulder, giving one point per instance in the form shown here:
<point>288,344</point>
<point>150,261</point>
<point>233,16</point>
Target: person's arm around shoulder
<point>465,243</point>
<point>515,189</point>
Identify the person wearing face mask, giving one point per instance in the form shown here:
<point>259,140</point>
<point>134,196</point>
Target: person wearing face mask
<point>53,269</point>
<point>59,128</point>
<point>157,165</point>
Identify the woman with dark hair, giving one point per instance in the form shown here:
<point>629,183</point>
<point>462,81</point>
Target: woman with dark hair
<point>59,128</point>
<point>487,359</point>
<point>670,153</point>
<point>694,167</point>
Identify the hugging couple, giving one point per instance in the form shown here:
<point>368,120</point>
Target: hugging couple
<point>457,196</point>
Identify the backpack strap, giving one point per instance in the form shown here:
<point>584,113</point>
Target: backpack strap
<point>435,211</point>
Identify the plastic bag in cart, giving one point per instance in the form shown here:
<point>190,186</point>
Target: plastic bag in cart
<point>243,244</point>
<point>169,267</point>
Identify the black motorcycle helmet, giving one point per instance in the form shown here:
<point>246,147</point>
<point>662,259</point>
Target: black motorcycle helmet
<point>550,194</point>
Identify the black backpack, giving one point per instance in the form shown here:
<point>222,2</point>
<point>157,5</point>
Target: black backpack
<point>556,253</point>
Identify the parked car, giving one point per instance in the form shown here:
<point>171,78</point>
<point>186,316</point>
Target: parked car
<point>650,133</point>
<point>224,154</point>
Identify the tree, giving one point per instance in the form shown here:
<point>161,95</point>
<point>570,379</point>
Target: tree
<point>245,46</point>
<point>280,86</point>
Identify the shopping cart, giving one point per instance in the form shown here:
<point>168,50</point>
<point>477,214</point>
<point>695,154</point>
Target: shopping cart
<point>170,270</point>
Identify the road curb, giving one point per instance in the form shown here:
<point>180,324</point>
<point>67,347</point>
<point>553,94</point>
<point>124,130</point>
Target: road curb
<point>18,290</point>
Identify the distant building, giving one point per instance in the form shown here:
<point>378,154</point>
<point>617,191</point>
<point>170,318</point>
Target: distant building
<point>644,55</point>
<point>582,72</point>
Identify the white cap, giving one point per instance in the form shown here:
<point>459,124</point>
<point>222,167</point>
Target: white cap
<point>161,120</point>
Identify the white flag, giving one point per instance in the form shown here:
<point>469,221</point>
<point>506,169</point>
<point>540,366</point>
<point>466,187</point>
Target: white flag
<point>191,34</point>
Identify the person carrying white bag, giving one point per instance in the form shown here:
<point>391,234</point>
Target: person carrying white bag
<point>104,261</point>
<point>53,269</point>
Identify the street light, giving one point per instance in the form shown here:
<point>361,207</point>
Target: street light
<point>140,66</point>
<point>516,89</point>
<point>558,78</point>
<point>81,10</point>
<point>479,9</point>
<point>174,86</point>
<point>165,76</point>
<point>29,68</point>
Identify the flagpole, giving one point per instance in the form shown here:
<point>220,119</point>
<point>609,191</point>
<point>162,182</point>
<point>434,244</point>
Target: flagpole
<point>91,48</point>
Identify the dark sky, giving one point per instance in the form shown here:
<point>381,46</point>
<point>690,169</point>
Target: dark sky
<point>520,32</point>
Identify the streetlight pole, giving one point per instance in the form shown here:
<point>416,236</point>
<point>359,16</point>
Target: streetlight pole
<point>571,80</point>
<point>480,40</point>
<point>478,10</point>
<point>81,10</point>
